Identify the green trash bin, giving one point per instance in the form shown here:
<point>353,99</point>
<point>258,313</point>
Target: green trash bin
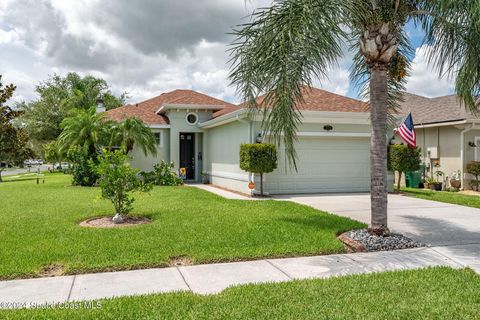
<point>414,178</point>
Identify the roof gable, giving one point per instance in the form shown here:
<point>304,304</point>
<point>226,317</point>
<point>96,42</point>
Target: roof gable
<point>147,110</point>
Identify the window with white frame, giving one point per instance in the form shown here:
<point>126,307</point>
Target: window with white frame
<point>158,139</point>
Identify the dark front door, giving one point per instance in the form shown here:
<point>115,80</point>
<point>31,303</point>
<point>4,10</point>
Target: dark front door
<point>187,154</point>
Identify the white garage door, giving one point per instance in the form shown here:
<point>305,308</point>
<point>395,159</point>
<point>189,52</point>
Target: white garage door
<point>325,164</point>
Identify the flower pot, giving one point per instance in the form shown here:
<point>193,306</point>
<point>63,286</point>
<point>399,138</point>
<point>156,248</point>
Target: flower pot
<point>436,186</point>
<point>456,184</point>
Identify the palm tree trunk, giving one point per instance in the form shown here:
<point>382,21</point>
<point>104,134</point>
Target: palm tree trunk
<point>378,150</point>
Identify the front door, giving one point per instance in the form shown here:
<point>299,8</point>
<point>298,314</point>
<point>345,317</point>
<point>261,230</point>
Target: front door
<point>187,154</point>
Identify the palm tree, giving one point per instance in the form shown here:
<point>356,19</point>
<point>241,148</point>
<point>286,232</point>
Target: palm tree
<point>133,131</point>
<point>284,47</point>
<point>85,129</point>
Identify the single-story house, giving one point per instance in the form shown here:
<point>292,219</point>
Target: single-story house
<point>447,133</point>
<point>203,135</point>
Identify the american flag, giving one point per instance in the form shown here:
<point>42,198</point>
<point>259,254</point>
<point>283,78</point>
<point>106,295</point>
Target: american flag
<point>407,131</point>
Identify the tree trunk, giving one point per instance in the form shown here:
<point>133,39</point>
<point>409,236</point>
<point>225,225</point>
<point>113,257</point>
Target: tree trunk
<point>378,150</point>
<point>261,184</point>
<point>1,180</point>
<point>399,180</point>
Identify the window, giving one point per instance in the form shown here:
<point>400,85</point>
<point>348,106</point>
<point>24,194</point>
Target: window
<point>158,139</point>
<point>191,118</point>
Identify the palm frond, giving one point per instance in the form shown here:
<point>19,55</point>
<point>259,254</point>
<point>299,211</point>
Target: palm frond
<point>452,31</point>
<point>278,53</point>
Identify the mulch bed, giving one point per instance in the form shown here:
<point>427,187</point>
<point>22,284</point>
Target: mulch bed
<point>106,222</point>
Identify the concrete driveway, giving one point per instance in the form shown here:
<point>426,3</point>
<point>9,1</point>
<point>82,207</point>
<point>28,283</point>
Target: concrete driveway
<point>453,229</point>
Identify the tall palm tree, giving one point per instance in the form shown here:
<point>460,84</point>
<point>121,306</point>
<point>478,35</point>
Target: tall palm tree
<point>133,131</point>
<point>285,46</point>
<point>84,129</point>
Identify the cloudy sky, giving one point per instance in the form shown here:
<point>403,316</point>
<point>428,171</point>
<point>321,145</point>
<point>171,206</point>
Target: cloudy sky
<point>146,47</point>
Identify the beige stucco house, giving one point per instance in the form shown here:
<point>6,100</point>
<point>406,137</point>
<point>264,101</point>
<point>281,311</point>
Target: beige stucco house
<point>448,134</point>
<point>203,135</point>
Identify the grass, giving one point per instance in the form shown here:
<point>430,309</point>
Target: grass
<point>40,228</point>
<point>444,196</point>
<point>436,293</point>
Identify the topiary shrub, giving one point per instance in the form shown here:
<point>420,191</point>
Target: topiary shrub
<point>473,167</point>
<point>163,175</point>
<point>118,180</point>
<point>403,158</point>
<point>258,158</point>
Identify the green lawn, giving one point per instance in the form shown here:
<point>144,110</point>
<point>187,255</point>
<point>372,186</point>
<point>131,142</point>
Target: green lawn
<point>444,196</point>
<point>437,293</point>
<point>39,227</point>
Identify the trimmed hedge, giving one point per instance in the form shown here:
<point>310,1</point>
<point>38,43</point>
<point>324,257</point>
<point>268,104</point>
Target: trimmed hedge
<point>258,158</point>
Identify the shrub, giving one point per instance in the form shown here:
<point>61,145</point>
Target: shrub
<point>53,153</point>
<point>473,167</point>
<point>84,171</point>
<point>258,158</point>
<point>163,175</point>
<point>403,158</point>
<point>117,180</point>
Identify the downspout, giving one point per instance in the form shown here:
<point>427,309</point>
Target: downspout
<point>462,152</point>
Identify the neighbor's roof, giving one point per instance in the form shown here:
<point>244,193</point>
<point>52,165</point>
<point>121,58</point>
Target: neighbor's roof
<point>320,100</point>
<point>146,110</point>
<point>434,110</point>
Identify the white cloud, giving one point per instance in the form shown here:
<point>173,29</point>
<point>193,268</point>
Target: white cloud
<point>424,80</point>
<point>337,81</point>
<point>164,46</point>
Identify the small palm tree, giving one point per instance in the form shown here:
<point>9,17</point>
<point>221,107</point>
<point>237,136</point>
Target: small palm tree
<point>130,132</point>
<point>284,47</point>
<point>84,129</point>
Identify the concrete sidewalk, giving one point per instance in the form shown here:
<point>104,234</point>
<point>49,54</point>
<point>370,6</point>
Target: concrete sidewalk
<point>213,278</point>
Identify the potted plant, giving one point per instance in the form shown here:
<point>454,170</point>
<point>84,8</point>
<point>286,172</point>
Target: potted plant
<point>455,181</point>
<point>437,185</point>
<point>205,179</point>
<point>429,183</point>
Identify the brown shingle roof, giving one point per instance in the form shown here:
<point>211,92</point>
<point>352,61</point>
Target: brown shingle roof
<point>433,110</point>
<point>146,110</point>
<point>322,100</point>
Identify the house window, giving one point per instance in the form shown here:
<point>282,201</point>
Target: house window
<point>158,139</point>
<point>191,118</point>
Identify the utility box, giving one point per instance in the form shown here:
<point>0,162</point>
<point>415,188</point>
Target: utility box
<point>432,152</point>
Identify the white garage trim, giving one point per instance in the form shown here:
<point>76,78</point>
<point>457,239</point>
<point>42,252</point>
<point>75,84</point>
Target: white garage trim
<point>334,134</point>
<point>331,134</point>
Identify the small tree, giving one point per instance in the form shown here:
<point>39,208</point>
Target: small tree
<point>53,153</point>
<point>14,140</point>
<point>258,158</point>
<point>403,158</point>
<point>117,180</point>
<point>473,167</point>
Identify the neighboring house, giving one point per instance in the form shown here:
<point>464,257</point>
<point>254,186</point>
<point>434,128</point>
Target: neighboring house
<point>203,134</point>
<point>448,134</point>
